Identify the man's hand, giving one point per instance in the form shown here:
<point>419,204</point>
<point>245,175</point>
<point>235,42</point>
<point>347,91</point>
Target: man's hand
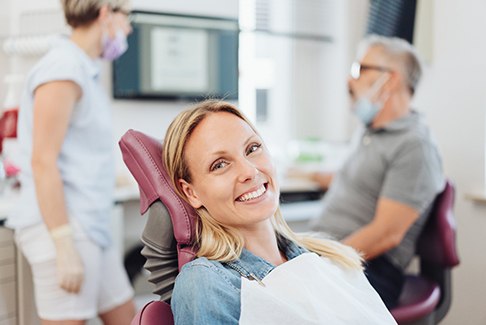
<point>323,179</point>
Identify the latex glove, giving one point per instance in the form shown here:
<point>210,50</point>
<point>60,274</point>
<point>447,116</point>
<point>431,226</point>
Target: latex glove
<point>70,270</point>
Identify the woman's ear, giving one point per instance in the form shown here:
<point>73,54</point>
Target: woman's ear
<point>191,195</point>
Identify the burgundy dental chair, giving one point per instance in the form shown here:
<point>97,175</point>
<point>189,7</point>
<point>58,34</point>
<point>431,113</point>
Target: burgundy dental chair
<point>426,296</point>
<point>169,229</point>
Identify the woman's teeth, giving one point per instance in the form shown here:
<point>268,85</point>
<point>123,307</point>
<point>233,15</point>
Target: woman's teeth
<point>252,195</point>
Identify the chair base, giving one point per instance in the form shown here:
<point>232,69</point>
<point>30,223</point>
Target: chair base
<point>418,301</point>
<point>425,321</point>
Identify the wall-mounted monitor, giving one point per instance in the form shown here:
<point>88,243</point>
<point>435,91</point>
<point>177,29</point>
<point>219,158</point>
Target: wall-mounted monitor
<point>178,57</point>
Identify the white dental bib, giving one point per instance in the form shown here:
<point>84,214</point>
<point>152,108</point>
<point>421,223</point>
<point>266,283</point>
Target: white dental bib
<point>312,290</point>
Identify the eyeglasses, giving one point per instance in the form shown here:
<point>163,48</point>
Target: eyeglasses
<point>122,11</point>
<point>357,68</point>
<point>125,12</point>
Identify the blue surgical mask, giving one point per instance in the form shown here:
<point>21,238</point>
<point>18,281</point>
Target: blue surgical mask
<point>364,108</point>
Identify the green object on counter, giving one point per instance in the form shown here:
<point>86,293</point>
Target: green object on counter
<point>309,151</point>
<point>310,157</point>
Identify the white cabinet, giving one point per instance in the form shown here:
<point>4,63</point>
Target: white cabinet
<point>8,278</point>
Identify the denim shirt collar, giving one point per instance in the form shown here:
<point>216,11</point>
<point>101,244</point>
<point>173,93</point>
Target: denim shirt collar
<point>250,265</point>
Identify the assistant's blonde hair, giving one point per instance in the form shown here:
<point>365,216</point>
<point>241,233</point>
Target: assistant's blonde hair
<point>214,240</point>
<point>84,12</point>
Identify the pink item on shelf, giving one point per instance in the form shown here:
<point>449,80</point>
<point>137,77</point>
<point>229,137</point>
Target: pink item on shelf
<point>8,125</point>
<point>11,169</point>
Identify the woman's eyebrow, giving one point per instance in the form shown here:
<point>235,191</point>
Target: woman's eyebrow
<point>222,152</point>
<point>253,136</point>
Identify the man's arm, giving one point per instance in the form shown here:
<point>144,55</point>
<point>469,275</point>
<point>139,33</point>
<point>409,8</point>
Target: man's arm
<point>324,179</point>
<point>387,229</point>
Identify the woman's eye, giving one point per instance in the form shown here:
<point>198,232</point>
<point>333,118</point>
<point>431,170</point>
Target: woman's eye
<point>218,165</point>
<point>254,147</point>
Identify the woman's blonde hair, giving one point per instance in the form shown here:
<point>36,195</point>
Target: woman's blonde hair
<point>214,240</point>
<point>84,12</point>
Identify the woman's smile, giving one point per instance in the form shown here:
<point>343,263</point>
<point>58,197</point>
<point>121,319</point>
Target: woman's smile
<point>252,195</point>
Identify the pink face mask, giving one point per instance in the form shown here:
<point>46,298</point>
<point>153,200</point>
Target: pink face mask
<point>113,48</point>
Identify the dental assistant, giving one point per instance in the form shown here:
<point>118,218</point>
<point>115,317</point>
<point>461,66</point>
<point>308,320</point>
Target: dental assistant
<point>62,221</point>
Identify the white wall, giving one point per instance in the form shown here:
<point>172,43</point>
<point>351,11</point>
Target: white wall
<point>453,97</point>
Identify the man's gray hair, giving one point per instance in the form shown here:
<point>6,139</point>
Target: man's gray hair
<point>398,51</point>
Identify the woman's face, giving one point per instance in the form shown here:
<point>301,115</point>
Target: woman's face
<point>233,176</point>
<point>119,20</point>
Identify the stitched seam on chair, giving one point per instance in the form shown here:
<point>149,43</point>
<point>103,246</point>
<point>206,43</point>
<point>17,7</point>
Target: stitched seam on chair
<point>163,179</point>
<point>178,200</point>
<point>142,311</point>
<point>151,197</point>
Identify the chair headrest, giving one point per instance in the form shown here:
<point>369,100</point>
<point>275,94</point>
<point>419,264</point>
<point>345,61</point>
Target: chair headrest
<point>437,243</point>
<point>143,156</point>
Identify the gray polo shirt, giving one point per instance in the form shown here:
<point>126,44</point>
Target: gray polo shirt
<point>399,162</point>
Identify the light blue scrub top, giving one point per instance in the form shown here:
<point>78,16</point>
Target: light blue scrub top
<point>86,159</point>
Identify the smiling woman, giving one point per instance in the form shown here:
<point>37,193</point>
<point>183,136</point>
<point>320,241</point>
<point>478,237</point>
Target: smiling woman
<point>249,261</point>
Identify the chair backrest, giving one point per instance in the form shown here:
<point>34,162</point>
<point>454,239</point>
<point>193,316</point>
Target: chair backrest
<point>437,243</point>
<point>143,156</point>
<point>437,249</point>
<point>426,297</point>
<point>170,223</point>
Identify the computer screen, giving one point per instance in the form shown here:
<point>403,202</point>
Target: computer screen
<point>173,56</point>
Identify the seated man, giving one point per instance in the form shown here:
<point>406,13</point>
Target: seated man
<point>380,198</point>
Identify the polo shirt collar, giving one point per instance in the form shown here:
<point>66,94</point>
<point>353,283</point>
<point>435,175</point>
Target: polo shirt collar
<point>400,124</point>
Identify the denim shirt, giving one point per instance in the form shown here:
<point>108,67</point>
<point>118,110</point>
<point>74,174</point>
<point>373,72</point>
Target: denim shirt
<point>209,292</point>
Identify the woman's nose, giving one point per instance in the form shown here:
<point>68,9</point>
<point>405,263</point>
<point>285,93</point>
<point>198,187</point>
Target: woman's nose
<point>246,170</point>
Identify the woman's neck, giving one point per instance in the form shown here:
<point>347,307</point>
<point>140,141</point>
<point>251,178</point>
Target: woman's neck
<point>263,243</point>
<point>88,39</point>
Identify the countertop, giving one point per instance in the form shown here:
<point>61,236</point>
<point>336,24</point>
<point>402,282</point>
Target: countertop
<point>298,197</point>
